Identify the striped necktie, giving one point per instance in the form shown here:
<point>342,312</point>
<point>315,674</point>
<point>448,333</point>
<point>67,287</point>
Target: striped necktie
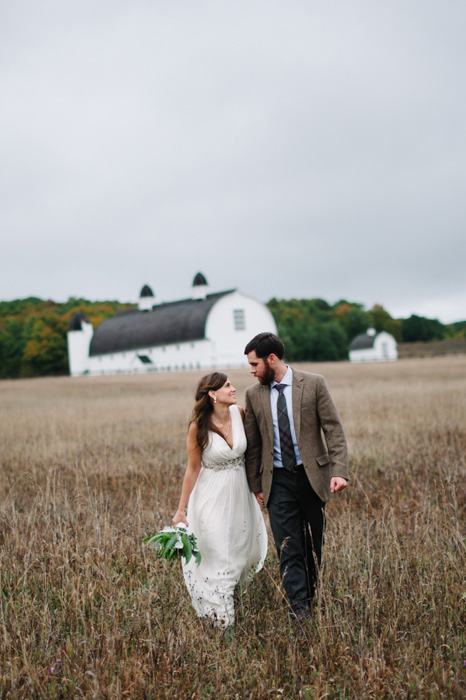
<point>286,442</point>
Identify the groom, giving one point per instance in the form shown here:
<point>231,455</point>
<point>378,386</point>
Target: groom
<point>289,467</point>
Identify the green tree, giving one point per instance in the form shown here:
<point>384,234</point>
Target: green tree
<point>12,344</point>
<point>352,318</point>
<point>309,330</point>
<point>422,329</point>
<point>46,351</point>
<point>458,329</point>
<point>382,321</point>
<point>339,340</point>
<point>33,333</point>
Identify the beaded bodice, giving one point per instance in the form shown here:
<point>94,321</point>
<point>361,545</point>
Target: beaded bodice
<point>218,453</point>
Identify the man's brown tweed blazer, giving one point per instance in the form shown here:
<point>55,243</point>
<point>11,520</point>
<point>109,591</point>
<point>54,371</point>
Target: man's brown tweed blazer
<point>319,433</point>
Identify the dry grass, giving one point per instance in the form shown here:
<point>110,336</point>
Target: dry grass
<point>90,466</point>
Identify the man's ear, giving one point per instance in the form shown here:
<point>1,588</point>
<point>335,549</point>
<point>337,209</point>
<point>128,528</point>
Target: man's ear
<point>272,359</point>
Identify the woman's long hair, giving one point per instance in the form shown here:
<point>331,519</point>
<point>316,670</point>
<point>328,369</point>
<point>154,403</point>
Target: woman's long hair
<point>203,408</point>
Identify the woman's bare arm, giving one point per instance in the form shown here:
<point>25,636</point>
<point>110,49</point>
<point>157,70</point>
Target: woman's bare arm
<point>192,472</point>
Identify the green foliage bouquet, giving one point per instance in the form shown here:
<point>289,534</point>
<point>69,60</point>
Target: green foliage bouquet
<point>174,542</point>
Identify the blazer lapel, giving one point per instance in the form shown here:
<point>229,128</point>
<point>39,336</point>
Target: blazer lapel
<point>267,411</point>
<point>297,395</point>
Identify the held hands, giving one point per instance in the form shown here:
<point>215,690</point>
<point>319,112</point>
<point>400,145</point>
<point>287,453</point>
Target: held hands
<point>179,517</point>
<point>338,483</point>
<point>260,498</point>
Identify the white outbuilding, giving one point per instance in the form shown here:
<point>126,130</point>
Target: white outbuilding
<point>373,347</point>
<point>205,331</point>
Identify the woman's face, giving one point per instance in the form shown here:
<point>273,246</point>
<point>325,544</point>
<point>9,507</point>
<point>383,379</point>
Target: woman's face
<point>226,393</point>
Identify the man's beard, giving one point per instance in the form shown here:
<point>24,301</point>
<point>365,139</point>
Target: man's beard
<point>269,374</point>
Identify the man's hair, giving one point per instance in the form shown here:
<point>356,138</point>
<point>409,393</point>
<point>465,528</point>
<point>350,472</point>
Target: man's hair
<point>265,344</point>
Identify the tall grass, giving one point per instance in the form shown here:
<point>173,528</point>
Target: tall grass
<point>88,467</point>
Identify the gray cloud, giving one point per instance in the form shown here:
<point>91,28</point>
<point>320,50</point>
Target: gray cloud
<point>141,142</point>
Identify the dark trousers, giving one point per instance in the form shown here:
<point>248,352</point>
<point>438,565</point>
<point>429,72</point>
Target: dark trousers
<point>297,518</point>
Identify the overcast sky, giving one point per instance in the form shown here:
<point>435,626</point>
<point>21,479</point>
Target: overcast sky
<point>290,149</point>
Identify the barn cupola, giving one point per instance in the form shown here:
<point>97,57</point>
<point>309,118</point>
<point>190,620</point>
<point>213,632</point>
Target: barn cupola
<point>200,286</point>
<point>146,299</point>
<point>76,323</point>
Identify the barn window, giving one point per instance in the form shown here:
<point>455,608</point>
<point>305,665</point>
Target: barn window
<point>145,360</point>
<point>238,319</point>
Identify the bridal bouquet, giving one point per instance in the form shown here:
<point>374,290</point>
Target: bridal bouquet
<point>174,542</point>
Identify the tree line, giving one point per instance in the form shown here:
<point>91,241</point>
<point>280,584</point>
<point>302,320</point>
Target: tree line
<point>33,331</point>
<point>317,331</point>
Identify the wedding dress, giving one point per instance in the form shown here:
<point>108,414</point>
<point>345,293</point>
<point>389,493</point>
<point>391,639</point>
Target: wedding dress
<point>228,524</point>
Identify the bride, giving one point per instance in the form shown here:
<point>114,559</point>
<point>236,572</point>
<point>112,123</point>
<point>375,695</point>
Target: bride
<point>222,513</point>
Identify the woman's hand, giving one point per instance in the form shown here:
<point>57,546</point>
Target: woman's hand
<point>179,517</point>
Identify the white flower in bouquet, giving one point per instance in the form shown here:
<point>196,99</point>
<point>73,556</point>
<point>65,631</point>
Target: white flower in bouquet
<point>174,542</point>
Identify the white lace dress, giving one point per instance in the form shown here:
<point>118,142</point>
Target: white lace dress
<point>228,524</point>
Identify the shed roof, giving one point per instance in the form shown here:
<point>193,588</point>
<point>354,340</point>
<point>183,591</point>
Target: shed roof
<point>363,342</point>
<point>173,322</point>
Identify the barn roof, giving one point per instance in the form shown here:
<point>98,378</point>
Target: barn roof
<point>363,342</point>
<point>173,322</point>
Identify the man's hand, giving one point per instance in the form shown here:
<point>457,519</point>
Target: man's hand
<point>260,498</point>
<point>338,483</point>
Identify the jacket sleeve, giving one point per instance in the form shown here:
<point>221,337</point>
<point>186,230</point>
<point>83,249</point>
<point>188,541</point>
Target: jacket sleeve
<point>254,448</point>
<point>333,430</point>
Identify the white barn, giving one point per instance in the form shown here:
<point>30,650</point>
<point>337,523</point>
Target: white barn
<point>373,347</point>
<point>206,331</point>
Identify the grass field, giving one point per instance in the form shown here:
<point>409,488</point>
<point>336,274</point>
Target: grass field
<point>90,466</point>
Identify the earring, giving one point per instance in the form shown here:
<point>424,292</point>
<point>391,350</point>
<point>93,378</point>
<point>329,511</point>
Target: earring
<point>215,399</point>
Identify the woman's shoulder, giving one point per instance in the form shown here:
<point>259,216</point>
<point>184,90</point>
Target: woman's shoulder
<point>192,437</point>
<point>193,430</point>
<point>238,409</point>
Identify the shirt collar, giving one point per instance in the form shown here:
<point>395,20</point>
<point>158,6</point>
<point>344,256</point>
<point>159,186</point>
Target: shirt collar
<point>286,379</point>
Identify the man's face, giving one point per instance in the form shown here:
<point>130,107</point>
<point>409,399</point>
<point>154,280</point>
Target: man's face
<point>260,368</point>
